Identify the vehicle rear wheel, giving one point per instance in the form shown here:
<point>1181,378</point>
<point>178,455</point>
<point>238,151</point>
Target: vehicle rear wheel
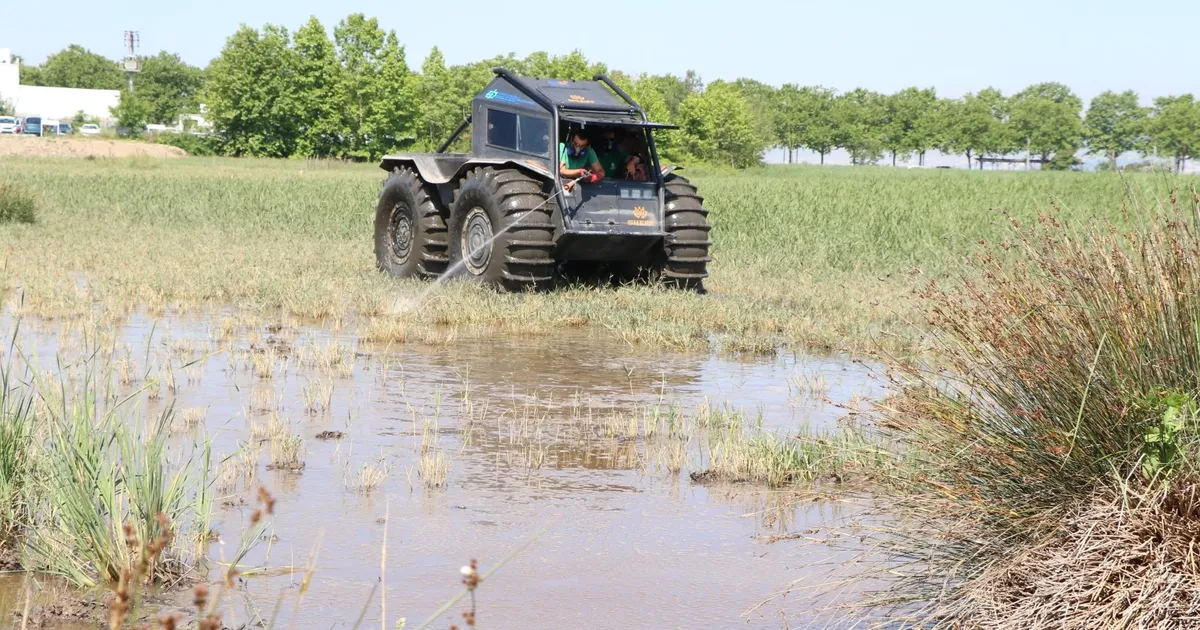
<point>500,230</point>
<point>410,230</point>
<point>685,257</point>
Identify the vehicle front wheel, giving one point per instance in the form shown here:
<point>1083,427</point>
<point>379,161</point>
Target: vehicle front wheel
<point>500,230</point>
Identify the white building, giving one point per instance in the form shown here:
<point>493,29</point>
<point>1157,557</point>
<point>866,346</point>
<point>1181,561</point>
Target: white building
<point>51,102</point>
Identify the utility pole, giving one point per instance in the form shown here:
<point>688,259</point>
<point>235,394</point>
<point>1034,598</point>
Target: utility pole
<point>132,64</point>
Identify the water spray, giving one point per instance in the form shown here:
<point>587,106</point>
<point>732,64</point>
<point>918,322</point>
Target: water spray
<point>407,306</point>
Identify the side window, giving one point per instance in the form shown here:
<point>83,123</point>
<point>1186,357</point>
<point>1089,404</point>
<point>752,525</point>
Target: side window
<point>502,129</point>
<point>535,135</point>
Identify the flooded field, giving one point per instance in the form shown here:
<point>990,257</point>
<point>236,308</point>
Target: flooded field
<point>461,450</point>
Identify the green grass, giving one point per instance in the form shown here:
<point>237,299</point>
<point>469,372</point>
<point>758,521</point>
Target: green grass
<point>16,204</point>
<point>100,475</point>
<point>16,438</point>
<point>87,487</point>
<point>810,257</point>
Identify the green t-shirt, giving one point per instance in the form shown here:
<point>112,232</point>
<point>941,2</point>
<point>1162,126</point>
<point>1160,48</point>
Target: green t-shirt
<point>613,162</point>
<point>583,161</point>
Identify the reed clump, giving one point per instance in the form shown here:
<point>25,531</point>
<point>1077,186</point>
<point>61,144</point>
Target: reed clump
<point>1059,399</point>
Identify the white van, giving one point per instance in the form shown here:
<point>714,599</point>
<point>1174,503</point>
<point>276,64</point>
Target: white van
<point>8,124</point>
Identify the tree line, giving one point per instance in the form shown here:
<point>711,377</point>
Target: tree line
<point>354,96</point>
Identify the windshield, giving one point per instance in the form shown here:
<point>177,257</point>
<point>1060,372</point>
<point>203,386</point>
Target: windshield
<point>7,120</point>
<point>33,121</point>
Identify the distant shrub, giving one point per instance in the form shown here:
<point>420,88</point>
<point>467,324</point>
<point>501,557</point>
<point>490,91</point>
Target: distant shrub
<point>193,144</point>
<point>17,204</point>
<point>1145,166</point>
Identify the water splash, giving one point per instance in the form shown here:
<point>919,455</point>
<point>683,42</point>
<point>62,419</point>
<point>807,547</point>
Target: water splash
<point>403,306</point>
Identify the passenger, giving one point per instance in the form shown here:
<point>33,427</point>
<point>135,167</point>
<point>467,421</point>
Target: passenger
<point>612,155</point>
<point>634,166</point>
<point>577,159</point>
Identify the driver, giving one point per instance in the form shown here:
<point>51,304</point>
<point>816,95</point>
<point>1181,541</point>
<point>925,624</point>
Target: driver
<point>577,159</point>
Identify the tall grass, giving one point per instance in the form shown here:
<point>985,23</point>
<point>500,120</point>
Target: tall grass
<point>99,477</point>
<point>815,257</point>
<point>1065,369</point>
<point>88,488</point>
<point>16,440</point>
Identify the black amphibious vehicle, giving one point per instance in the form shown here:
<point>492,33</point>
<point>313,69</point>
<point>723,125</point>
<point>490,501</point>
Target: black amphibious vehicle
<point>503,214</point>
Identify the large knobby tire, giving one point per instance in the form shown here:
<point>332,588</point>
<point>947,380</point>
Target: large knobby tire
<point>410,229</point>
<point>685,264</point>
<point>501,231</point>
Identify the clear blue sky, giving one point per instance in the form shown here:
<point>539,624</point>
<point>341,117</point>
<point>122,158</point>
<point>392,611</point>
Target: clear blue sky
<point>881,45</point>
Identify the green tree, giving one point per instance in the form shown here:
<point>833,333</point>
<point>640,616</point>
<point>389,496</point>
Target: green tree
<point>438,113</point>
<point>718,127</point>
<point>392,113</point>
<point>1001,139</point>
<point>1174,128</point>
<point>861,119</point>
<point>29,74</point>
<point>762,101</point>
<point>542,65</point>
<point>674,90</point>
<point>1051,91</point>
<point>787,120</point>
<point>1114,124</point>
<point>169,87</point>
<point>931,127</point>
<point>78,67</point>
<point>1046,119</point>
<point>975,125</point>
<point>251,93</point>
<point>805,118</point>
<point>317,83</point>
<point>655,105</point>
<point>360,44</point>
<point>81,118</point>
<point>6,107</point>
<point>132,112</point>
<point>902,116</point>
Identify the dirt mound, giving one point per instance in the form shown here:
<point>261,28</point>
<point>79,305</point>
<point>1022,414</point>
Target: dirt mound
<point>33,146</point>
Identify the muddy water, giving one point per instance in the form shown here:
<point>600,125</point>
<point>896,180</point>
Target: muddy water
<point>527,427</point>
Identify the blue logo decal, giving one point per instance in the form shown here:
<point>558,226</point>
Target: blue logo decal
<point>504,97</point>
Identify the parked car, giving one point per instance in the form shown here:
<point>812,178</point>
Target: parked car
<point>8,124</point>
<point>90,130</point>
<point>32,126</point>
<point>64,129</point>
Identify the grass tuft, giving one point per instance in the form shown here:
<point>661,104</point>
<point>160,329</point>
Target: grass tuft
<point>17,204</point>
<point>287,452</point>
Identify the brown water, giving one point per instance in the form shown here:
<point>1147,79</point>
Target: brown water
<point>524,423</point>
